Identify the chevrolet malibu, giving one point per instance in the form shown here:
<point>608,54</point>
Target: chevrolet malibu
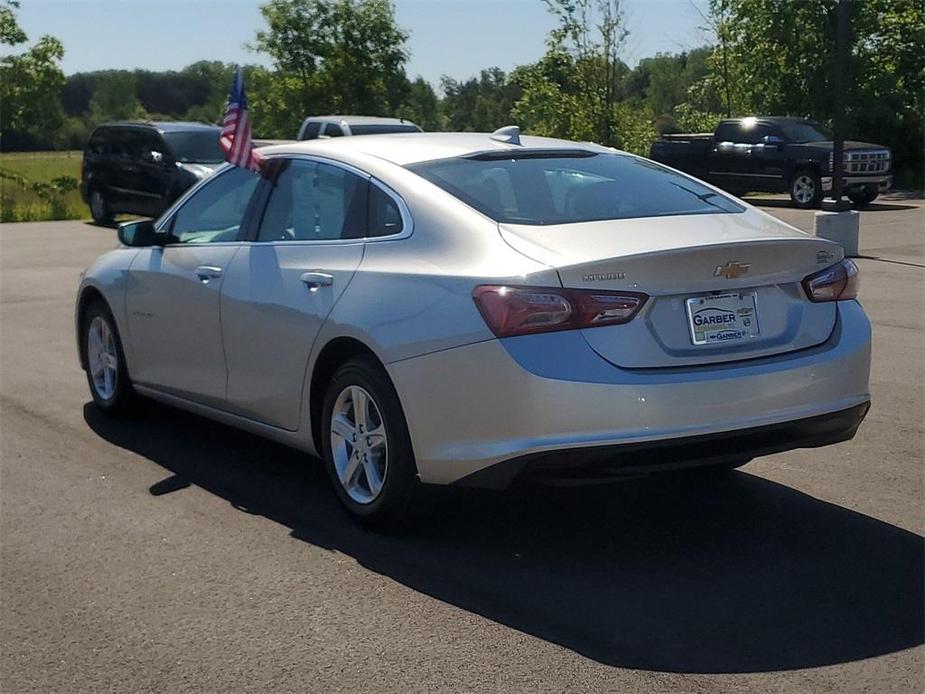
<point>479,309</point>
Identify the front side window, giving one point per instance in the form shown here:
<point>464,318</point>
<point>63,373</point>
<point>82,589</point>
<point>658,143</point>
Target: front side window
<point>805,131</point>
<point>312,201</point>
<point>215,212</point>
<point>543,188</point>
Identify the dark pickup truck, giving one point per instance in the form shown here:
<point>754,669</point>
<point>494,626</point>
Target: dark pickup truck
<point>774,155</point>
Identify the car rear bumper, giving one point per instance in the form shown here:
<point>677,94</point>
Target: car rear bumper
<point>475,407</point>
<point>603,462</point>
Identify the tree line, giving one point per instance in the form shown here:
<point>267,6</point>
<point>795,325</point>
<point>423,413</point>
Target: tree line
<point>769,57</point>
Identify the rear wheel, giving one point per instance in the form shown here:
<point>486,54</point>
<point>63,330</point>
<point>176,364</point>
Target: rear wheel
<point>862,197</point>
<point>367,448</point>
<point>105,362</point>
<point>806,189</point>
<point>99,208</point>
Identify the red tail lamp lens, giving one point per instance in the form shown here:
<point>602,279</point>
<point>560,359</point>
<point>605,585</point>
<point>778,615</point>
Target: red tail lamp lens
<point>513,310</point>
<point>839,282</point>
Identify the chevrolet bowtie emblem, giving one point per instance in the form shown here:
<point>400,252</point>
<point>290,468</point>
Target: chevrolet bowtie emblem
<point>732,270</point>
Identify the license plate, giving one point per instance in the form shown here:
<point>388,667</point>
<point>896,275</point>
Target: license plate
<point>722,318</point>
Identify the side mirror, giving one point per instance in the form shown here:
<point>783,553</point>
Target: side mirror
<point>773,141</point>
<point>140,233</point>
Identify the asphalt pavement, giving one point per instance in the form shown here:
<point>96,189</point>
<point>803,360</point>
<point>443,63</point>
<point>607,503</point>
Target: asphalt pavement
<point>169,553</point>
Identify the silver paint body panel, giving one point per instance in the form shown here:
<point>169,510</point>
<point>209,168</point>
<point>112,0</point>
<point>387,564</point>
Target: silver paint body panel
<point>242,348</point>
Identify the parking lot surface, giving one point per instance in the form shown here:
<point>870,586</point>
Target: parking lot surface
<point>170,553</point>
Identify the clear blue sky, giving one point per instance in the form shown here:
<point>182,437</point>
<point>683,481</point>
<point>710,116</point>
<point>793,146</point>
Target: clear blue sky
<point>452,37</point>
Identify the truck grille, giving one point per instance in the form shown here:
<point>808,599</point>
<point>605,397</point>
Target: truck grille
<point>867,162</point>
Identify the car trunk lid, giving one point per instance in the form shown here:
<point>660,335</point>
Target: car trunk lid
<point>696,270</point>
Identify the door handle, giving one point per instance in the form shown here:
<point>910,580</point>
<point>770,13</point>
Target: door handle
<point>315,280</point>
<point>208,272</point>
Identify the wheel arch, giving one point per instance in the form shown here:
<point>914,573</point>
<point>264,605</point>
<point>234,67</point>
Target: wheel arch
<point>336,352</point>
<point>813,165</point>
<point>87,296</point>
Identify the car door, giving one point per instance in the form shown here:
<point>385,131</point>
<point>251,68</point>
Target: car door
<point>768,160</point>
<point>729,156</point>
<point>153,180</point>
<point>174,291</point>
<point>282,286</point>
<point>121,170</point>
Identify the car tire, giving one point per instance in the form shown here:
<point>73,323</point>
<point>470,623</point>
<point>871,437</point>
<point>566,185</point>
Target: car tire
<point>106,371</point>
<point>805,189</point>
<point>862,198</point>
<point>99,208</point>
<point>368,456</point>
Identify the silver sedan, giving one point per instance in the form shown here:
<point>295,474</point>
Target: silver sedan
<point>480,310</point>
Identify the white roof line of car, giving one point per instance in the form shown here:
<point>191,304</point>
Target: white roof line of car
<point>410,148</point>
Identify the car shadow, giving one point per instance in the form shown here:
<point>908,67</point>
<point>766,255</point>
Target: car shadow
<point>872,207</point>
<point>684,573</point>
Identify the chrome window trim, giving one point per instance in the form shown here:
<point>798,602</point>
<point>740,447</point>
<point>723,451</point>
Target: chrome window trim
<point>407,220</point>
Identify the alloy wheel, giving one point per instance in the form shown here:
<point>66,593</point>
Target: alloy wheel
<point>102,358</point>
<point>804,189</point>
<point>359,444</point>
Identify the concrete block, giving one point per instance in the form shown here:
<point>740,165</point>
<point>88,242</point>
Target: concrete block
<point>841,227</point>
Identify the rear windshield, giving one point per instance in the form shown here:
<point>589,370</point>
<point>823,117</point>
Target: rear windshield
<point>199,146</point>
<point>381,128</point>
<point>535,188</point>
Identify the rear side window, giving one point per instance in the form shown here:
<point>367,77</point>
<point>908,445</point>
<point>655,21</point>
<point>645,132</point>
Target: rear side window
<point>552,188</point>
<point>727,132</point>
<point>333,130</point>
<point>311,201</point>
<point>311,130</point>
<point>384,216</point>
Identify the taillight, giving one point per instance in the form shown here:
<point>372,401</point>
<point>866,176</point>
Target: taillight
<point>836,283</point>
<point>513,310</point>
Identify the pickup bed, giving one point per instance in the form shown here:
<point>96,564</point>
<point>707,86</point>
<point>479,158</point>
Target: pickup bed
<point>775,155</point>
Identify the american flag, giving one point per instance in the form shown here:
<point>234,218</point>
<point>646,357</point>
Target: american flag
<point>236,128</point>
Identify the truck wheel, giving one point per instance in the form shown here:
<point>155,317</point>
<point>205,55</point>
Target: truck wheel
<point>806,189</point>
<point>862,197</point>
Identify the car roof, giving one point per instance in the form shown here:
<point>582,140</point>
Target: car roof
<point>357,120</point>
<point>770,119</point>
<point>162,126</point>
<point>410,148</point>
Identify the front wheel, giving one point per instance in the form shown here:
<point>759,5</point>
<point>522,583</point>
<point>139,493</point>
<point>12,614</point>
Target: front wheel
<point>367,448</point>
<point>806,189</point>
<point>107,375</point>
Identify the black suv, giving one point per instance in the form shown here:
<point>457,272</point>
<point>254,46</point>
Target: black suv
<point>141,168</point>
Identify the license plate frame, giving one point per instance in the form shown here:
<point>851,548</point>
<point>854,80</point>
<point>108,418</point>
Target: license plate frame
<point>730,317</point>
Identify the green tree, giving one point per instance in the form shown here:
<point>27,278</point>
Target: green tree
<point>30,83</point>
<point>422,106</point>
<point>480,104</point>
<point>592,32</point>
<point>344,56</point>
<point>114,98</point>
<point>780,60</point>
